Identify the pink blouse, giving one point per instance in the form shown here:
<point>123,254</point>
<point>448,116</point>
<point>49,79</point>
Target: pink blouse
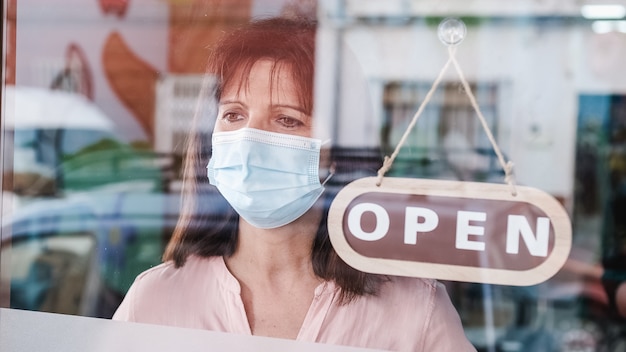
<point>406,315</point>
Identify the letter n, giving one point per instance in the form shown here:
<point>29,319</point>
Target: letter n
<point>518,225</point>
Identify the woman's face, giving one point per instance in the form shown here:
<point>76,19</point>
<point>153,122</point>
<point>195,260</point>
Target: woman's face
<point>264,100</point>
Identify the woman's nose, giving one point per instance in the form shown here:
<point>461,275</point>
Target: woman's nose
<point>257,121</point>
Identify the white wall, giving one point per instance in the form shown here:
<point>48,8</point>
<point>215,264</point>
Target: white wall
<point>545,65</point>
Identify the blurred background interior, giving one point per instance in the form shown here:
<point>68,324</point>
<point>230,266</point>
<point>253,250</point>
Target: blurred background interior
<point>99,95</point>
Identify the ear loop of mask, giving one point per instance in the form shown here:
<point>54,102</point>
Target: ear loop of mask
<point>331,169</point>
<point>507,166</point>
<point>331,173</point>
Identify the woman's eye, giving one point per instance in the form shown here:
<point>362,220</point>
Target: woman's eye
<point>290,122</point>
<point>232,117</point>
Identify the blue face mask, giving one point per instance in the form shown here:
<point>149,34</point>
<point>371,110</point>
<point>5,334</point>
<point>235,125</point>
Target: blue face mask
<point>270,179</point>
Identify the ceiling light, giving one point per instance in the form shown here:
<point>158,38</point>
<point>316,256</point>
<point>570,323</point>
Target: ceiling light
<point>603,11</point>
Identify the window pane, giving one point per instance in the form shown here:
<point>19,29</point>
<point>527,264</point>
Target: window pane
<point>100,99</point>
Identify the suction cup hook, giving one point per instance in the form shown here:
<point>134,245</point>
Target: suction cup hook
<point>451,31</point>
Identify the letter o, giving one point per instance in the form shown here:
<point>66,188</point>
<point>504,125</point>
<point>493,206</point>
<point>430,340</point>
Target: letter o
<point>382,221</point>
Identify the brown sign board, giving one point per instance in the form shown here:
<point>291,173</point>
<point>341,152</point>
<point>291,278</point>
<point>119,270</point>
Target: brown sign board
<point>450,230</point>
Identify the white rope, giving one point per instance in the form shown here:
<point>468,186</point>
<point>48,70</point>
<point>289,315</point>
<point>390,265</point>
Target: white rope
<point>507,166</point>
<point>388,161</point>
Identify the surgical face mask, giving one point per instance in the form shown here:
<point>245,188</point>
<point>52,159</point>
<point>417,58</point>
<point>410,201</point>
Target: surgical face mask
<point>270,179</point>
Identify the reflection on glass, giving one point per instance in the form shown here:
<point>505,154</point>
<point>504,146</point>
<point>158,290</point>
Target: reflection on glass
<point>72,175</point>
<point>93,196</point>
<point>52,274</point>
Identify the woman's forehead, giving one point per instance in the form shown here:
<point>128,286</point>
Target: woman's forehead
<point>262,67</point>
<point>279,74</point>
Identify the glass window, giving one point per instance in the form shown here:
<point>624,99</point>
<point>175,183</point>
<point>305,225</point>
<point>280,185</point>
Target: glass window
<point>99,99</point>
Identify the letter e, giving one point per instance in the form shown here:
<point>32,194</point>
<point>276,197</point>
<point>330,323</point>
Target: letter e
<point>464,229</point>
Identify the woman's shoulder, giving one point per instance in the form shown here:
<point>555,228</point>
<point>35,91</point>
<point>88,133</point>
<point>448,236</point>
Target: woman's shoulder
<point>427,296</point>
<point>415,314</point>
<point>166,293</point>
<point>398,287</point>
<point>405,299</point>
<point>168,275</point>
<point>402,295</point>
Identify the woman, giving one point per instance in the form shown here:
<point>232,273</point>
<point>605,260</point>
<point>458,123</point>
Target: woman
<point>275,272</point>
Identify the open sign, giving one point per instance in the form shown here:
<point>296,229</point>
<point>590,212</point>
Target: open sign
<point>462,231</point>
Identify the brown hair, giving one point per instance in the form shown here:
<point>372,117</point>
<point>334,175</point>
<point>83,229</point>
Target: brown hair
<point>284,42</point>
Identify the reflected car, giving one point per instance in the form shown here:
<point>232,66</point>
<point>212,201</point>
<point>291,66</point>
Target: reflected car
<point>86,212</point>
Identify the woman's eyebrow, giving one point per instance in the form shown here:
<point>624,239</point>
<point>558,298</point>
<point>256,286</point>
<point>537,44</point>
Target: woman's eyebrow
<point>226,102</point>
<point>293,107</point>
